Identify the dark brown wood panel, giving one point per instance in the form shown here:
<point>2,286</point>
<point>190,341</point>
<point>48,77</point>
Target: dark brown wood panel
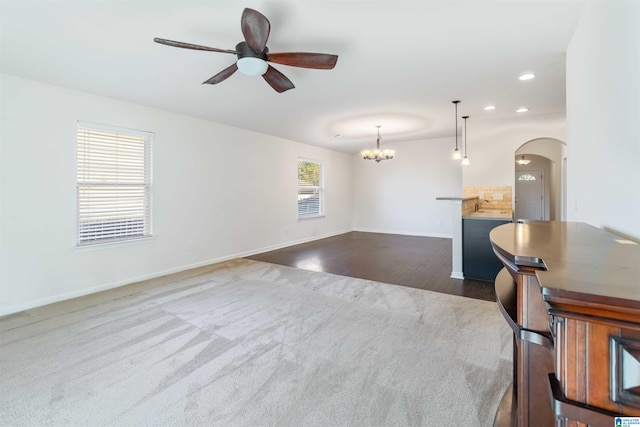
<point>597,350</point>
<point>413,261</point>
<point>586,288</point>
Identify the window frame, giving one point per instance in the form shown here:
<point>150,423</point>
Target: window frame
<point>527,177</point>
<point>115,185</point>
<point>319,188</point>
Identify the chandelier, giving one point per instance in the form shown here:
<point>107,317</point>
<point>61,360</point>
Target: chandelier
<point>523,161</point>
<point>378,155</point>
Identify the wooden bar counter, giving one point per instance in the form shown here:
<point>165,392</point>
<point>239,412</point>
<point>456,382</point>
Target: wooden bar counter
<point>571,294</point>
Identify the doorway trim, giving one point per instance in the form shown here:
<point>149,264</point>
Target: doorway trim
<point>555,151</point>
<point>539,196</point>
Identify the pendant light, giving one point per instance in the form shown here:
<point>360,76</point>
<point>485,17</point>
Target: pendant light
<point>465,159</point>
<point>456,153</point>
<point>523,161</point>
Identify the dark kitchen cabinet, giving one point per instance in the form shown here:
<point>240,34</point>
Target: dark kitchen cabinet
<point>478,260</point>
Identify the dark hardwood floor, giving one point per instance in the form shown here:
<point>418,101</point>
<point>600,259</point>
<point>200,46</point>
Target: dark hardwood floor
<point>416,262</point>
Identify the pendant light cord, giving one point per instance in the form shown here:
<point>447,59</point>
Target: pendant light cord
<point>465,134</point>
<point>456,104</point>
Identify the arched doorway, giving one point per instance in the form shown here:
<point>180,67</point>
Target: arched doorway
<point>540,180</point>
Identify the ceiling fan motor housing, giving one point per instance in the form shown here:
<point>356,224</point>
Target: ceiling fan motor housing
<point>244,51</point>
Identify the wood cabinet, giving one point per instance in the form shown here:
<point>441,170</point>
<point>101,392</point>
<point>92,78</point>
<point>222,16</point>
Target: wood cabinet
<point>533,348</point>
<point>571,294</point>
<point>597,366</point>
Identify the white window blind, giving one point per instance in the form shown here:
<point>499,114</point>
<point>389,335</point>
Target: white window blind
<point>114,183</point>
<point>310,189</point>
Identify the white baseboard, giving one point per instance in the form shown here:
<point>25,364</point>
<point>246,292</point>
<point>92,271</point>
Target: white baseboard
<point>404,233</point>
<point>291,243</point>
<point>87,291</point>
<point>457,275</point>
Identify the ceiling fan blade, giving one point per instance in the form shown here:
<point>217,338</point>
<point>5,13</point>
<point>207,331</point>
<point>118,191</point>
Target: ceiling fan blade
<point>222,75</point>
<point>192,46</point>
<point>321,61</point>
<point>277,80</point>
<point>255,28</point>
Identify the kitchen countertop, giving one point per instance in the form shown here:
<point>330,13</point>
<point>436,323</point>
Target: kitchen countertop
<point>489,214</point>
<point>457,198</point>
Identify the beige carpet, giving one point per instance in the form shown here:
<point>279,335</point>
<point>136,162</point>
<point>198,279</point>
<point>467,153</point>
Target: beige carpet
<point>245,343</point>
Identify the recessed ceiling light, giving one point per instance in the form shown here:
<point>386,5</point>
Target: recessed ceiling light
<point>522,110</point>
<point>526,76</point>
<point>490,107</point>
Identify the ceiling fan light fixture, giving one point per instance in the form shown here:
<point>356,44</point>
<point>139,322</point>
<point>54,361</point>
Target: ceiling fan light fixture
<point>252,66</point>
<point>253,54</point>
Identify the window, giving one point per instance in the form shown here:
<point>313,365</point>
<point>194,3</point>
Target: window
<point>114,184</point>
<point>526,177</point>
<point>310,189</point>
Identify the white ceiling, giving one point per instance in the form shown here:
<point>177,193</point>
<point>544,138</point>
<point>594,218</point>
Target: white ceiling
<point>400,65</point>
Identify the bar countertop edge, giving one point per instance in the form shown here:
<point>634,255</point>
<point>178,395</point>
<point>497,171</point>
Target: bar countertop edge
<point>574,261</point>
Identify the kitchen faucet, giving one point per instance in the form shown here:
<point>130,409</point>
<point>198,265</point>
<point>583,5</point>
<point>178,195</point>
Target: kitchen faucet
<point>480,202</point>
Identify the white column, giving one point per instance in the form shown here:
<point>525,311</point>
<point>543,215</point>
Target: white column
<point>456,241</point>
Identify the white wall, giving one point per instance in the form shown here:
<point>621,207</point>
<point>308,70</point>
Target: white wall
<point>603,117</point>
<point>399,196</point>
<point>218,192</point>
<point>492,144</point>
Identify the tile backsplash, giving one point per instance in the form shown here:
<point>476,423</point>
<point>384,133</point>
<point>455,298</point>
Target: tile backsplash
<point>468,206</point>
<point>498,198</point>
